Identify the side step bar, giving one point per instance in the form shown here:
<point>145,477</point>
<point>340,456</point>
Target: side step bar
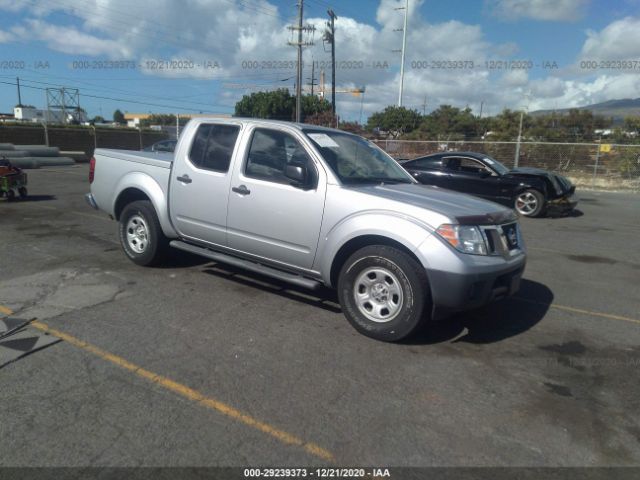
<point>291,278</point>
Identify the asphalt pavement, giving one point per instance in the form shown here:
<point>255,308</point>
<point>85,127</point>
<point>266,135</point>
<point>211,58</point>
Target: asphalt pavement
<point>199,364</point>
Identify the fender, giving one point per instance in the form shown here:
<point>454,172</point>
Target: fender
<point>147,185</point>
<point>404,229</point>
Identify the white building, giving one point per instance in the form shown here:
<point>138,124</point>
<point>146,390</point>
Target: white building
<point>32,114</point>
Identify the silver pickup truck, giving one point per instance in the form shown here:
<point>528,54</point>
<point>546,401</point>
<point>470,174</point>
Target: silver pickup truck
<point>313,206</point>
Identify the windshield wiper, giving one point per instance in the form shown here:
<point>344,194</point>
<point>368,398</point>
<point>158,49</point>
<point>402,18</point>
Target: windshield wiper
<point>373,180</point>
<point>389,181</point>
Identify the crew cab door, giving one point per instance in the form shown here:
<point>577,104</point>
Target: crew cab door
<point>200,182</point>
<point>269,216</point>
<point>471,176</point>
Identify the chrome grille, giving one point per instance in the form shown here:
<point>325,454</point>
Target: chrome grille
<point>502,240</point>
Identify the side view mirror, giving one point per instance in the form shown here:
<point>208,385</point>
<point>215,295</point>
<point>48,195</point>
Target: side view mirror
<point>485,174</point>
<point>297,173</point>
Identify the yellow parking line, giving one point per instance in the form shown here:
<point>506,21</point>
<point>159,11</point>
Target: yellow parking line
<point>187,392</point>
<point>579,310</point>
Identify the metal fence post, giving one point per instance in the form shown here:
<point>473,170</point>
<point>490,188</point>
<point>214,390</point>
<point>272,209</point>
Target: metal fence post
<point>95,137</point>
<point>595,167</point>
<point>46,134</point>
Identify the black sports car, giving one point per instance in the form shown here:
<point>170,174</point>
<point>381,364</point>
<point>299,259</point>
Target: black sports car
<point>531,191</point>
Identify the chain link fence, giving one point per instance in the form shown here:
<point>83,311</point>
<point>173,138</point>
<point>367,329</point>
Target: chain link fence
<point>590,165</point>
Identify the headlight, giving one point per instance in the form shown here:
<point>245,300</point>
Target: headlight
<point>464,238</point>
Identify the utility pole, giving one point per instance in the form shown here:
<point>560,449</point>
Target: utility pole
<point>19,97</point>
<point>299,83</point>
<point>299,44</point>
<point>330,36</point>
<point>424,106</point>
<point>404,47</point>
<point>313,75</point>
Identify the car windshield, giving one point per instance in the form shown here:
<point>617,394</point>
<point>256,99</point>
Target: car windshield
<point>355,160</point>
<point>496,165</point>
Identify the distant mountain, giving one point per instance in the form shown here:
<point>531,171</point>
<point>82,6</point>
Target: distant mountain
<point>618,109</point>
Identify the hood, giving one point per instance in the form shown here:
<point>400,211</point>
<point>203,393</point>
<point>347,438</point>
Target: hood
<point>465,209</point>
<point>560,183</point>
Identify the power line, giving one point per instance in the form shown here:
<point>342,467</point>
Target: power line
<point>123,99</point>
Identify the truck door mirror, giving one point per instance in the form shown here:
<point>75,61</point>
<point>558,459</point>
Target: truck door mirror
<point>297,173</point>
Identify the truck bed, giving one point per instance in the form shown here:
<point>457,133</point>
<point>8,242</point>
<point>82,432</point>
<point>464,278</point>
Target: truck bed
<point>156,159</point>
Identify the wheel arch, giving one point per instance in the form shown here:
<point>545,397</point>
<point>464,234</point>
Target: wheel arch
<point>361,241</point>
<point>140,186</point>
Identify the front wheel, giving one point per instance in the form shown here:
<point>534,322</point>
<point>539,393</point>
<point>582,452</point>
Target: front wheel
<point>384,293</point>
<point>530,203</point>
<point>140,234</point>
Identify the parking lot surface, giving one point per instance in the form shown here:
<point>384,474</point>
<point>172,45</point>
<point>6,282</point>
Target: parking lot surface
<point>198,364</point>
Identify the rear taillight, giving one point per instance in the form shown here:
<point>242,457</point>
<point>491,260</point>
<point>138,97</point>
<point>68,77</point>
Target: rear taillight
<point>92,169</point>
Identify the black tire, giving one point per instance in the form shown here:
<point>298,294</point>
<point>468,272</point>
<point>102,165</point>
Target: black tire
<point>11,195</point>
<point>149,249</point>
<point>414,303</point>
<point>23,192</point>
<point>530,203</point>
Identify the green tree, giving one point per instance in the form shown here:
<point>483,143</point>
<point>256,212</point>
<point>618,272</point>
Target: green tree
<point>395,120</point>
<point>312,105</point>
<point>278,104</point>
<point>632,125</point>
<point>118,117</point>
<point>505,126</point>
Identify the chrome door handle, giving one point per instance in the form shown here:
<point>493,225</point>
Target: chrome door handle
<point>242,190</point>
<point>184,179</point>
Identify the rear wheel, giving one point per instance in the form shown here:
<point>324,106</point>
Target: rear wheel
<point>384,293</point>
<point>530,203</point>
<point>140,234</point>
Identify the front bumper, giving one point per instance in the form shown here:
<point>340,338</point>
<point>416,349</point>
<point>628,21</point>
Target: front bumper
<point>454,292</point>
<point>565,203</point>
<point>461,281</point>
<point>91,201</point>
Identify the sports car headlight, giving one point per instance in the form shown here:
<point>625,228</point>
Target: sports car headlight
<point>464,238</point>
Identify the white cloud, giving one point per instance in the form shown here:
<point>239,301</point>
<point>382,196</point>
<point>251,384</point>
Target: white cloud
<point>549,10</point>
<point>618,40</point>
<point>166,29</point>
<point>70,40</point>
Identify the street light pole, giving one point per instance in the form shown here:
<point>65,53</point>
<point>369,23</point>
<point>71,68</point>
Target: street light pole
<point>404,47</point>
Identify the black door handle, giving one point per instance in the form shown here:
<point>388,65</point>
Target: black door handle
<point>242,190</point>
<point>184,179</point>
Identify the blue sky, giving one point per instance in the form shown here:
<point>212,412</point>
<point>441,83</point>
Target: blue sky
<point>112,51</point>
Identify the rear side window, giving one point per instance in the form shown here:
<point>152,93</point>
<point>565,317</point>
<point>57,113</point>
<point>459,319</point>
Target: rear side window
<point>432,163</point>
<point>466,165</point>
<point>213,146</point>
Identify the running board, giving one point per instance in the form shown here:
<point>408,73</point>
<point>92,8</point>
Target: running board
<point>291,278</point>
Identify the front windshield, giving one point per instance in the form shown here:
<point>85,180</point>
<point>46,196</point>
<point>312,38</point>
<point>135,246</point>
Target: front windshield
<point>496,165</point>
<point>355,160</point>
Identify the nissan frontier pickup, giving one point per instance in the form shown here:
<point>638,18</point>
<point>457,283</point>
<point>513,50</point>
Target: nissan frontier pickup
<point>313,207</point>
